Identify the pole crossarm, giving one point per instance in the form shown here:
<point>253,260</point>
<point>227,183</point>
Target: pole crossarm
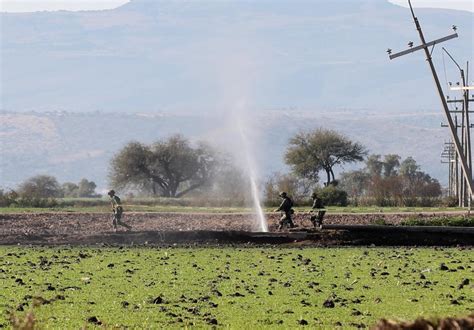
<point>460,101</point>
<point>462,88</point>
<point>423,46</point>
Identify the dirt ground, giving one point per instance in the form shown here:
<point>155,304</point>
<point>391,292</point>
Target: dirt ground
<point>166,228</point>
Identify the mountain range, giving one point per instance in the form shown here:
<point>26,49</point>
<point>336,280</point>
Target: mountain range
<point>185,55</point>
<point>72,146</point>
<point>76,86</point>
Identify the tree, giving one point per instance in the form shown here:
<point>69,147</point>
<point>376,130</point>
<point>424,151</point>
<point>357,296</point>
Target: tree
<point>40,186</point>
<point>391,182</point>
<point>86,188</point>
<point>390,165</point>
<point>409,168</point>
<point>69,189</point>
<point>355,182</point>
<point>311,152</point>
<point>417,183</point>
<point>374,165</point>
<point>171,168</point>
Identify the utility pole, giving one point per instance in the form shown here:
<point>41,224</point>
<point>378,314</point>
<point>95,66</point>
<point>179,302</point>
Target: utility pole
<point>448,156</point>
<point>466,126</point>
<point>425,46</point>
<point>457,177</point>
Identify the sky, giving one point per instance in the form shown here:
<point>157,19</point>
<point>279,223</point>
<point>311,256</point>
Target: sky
<point>40,5</point>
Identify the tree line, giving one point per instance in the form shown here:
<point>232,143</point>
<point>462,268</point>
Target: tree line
<point>177,167</point>
<point>391,181</point>
<point>42,190</point>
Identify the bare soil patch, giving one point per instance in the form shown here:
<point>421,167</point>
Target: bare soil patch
<point>167,228</point>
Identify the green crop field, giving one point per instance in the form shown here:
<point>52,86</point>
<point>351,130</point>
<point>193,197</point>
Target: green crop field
<point>238,287</point>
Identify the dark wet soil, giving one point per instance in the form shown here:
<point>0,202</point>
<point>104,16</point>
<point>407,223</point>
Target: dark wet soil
<point>199,228</point>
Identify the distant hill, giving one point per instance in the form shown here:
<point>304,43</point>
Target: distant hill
<point>76,86</point>
<point>71,146</point>
<point>170,55</point>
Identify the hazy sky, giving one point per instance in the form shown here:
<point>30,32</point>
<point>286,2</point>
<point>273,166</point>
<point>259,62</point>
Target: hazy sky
<point>37,5</point>
<point>451,4</point>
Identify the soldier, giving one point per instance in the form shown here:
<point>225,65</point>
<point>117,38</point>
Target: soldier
<point>286,210</point>
<point>317,219</point>
<point>118,210</point>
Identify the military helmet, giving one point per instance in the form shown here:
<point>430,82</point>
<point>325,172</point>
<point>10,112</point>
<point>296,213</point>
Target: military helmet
<point>111,193</point>
<point>282,194</point>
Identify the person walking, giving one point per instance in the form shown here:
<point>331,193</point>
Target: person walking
<point>286,209</point>
<point>117,210</point>
<point>317,219</point>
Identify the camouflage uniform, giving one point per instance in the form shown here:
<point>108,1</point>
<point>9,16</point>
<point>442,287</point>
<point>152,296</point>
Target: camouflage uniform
<point>286,210</point>
<point>118,211</point>
<point>317,220</point>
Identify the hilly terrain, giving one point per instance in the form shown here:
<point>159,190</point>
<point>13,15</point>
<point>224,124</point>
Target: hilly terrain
<point>71,146</point>
<point>183,55</point>
<point>76,86</point>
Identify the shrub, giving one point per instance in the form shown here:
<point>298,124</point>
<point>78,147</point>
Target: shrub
<point>450,201</point>
<point>8,198</point>
<point>36,202</point>
<point>333,196</point>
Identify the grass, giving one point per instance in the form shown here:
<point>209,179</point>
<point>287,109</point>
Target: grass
<point>233,287</point>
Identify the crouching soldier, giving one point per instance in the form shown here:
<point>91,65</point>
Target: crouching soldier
<point>117,210</point>
<point>286,210</point>
<point>317,219</point>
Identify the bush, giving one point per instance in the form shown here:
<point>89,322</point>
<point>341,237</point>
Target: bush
<point>449,201</point>
<point>36,202</point>
<point>332,196</point>
<point>8,198</point>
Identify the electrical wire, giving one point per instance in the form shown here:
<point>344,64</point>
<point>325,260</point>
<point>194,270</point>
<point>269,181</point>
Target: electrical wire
<point>446,81</point>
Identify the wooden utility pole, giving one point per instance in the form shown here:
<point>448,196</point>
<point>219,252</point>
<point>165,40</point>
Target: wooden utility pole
<point>425,46</point>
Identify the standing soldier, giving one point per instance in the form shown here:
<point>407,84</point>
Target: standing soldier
<point>286,210</point>
<point>118,210</point>
<point>317,219</point>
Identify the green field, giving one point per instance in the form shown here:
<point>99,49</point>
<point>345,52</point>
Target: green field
<point>233,287</point>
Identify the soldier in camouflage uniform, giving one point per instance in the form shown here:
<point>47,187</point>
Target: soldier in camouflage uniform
<point>286,210</point>
<point>317,219</point>
<point>118,210</point>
